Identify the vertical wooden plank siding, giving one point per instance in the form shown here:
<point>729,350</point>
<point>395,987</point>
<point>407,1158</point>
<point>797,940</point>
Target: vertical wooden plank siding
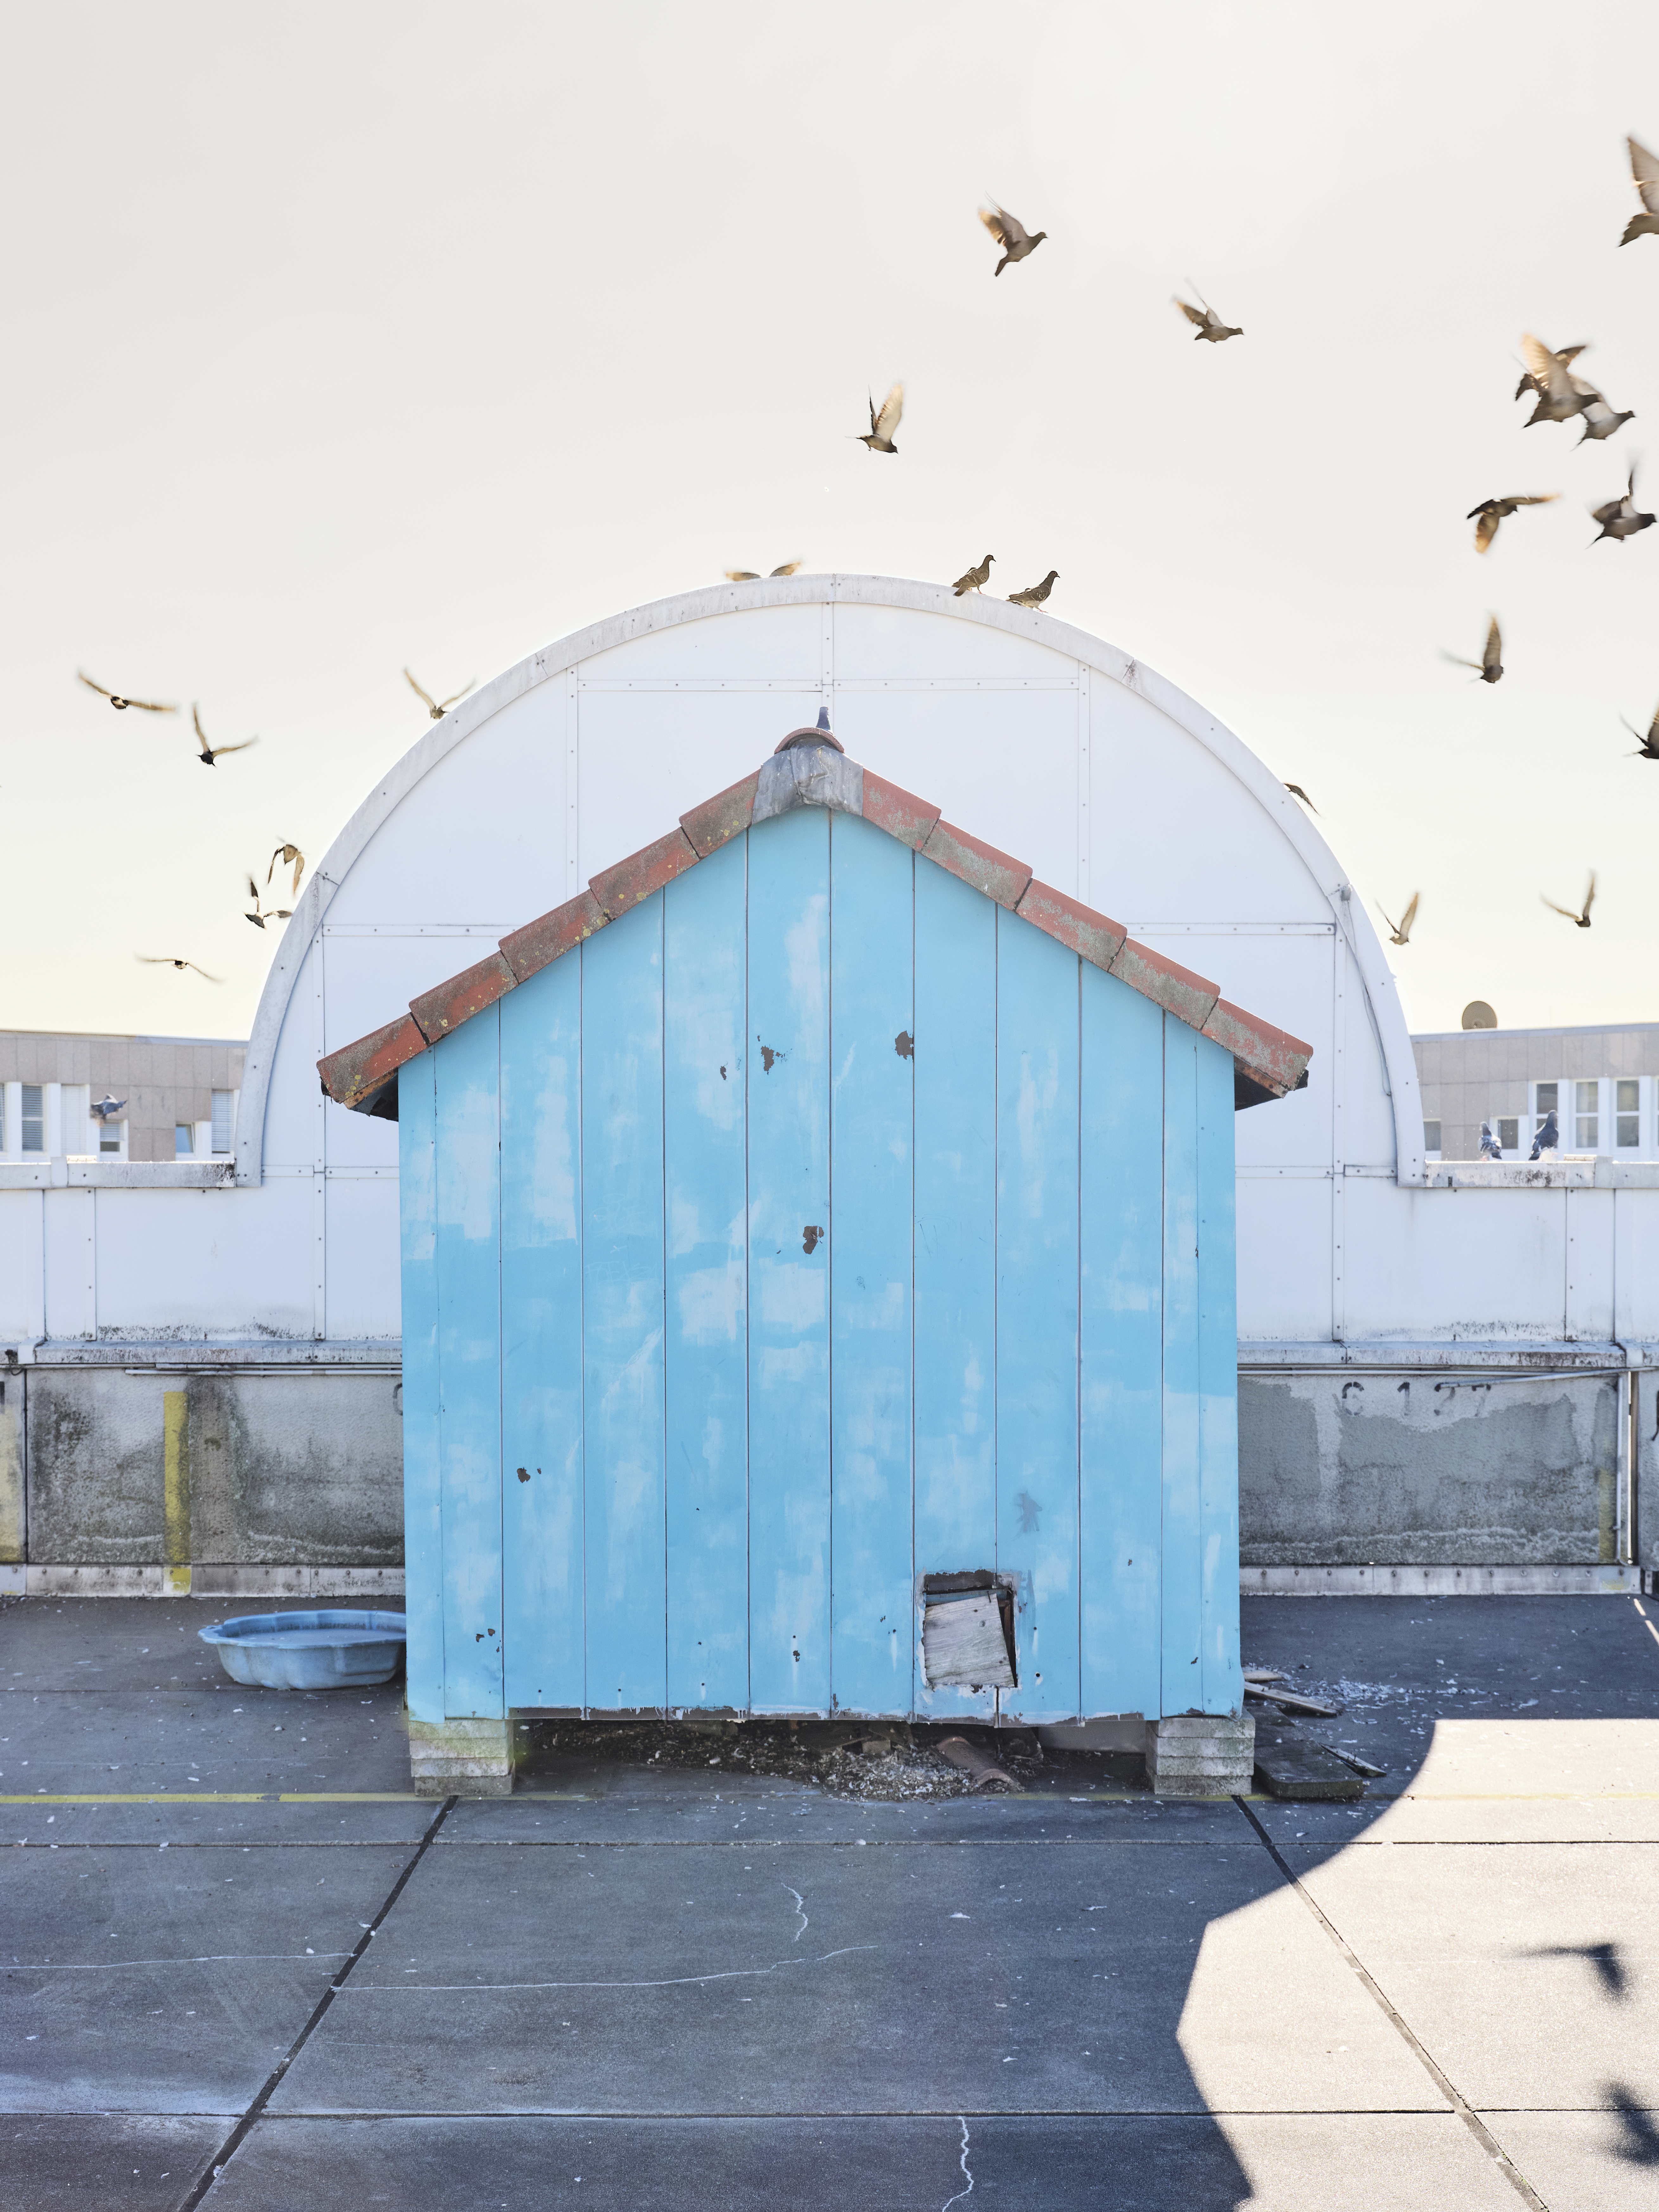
<point>956,1260</point>
<point>1182,1535</point>
<point>706,1260</point>
<point>1037,1041</point>
<point>872,1109</point>
<point>466,1070</point>
<point>424,1549</point>
<point>544,1628</point>
<point>1121,1332</point>
<point>788,1096</point>
<point>622,1411</point>
<point>1218,1383</point>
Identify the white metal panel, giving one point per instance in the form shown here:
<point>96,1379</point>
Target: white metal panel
<point>779,644</point>
<point>215,1263</point>
<point>1176,833</point>
<point>369,981</point>
<point>1469,1263</point>
<point>1284,1256</point>
<point>1589,1263</point>
<point>647,757</point>
<point>22,1266</point>
<point>364,1290</point>
<point>479,838</point>
<point>71,1253</point>
<point>895,644</point>
<point>1001,765</point>
<point>291,1100</point>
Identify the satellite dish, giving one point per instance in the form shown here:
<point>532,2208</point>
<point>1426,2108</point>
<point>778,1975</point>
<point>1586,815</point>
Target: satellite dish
<point>1478,1015</point>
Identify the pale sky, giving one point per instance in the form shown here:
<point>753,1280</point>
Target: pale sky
<point>345,337</point>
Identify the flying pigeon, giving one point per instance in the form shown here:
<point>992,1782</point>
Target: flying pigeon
<point>121,705</point>
<point>1566,354</point>
<point>287,853</point>
<point>439,708</point>
<point>103,1108</point>
<point>1209,324</point>
<point>882,426</point>
<point>1561,395</point>
<point>166,960</point>
<point>1644,174</point>
<point>208,753</point>
<point>1491,512</point>
<point>1489,1147</point>
<point>1011,234</point>
<point>261,914</point>
<point>971,580</point>
<point>1601,420</point>
<point>1618,517</point>
<point>753,575</point>
<point>1581,920</point>
<point>1034,594</point>
<point>1548,1138</point>
<point>1490,666</point>
<point>1647,747</point>
<point>1400,932</point>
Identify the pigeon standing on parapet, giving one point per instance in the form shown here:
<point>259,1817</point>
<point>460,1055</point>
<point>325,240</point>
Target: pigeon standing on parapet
<point>1034,594</point>
<point>1490,666</point>
<point>1209,324</point>
<point>1548,1138</point>
<point>1618,517</point>
<point>753,575</point>
<point>1489,1147</point>
<point>1011,234</point>
<point>1491,512</point>
<point>879,439</point>
<point>1582,919</point>
<point>1400,932</point>
<point>1647,747</point>
<point>974,580</point>
<point>1644,174</point>
<point>438,707</point>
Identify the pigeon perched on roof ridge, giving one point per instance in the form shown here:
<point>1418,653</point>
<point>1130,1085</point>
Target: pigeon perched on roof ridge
<point>1034,594</point>
<point>974,580</point>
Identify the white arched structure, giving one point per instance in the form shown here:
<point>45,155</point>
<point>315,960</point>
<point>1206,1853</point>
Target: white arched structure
<point>1115,786</point>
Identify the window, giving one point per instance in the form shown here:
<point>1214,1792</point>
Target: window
<point>1431,1136</point>
<point>34,1118</point>
<point>109,1138</point>
<point>182,1143</point>
<point>1509,1134</point>
<point>1586,1120</point>
<point>1544,1100</point>
<point>222,1121</point>
<point>1628,1102</point>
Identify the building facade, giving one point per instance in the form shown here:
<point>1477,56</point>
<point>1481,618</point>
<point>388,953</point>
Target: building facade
<point>175,1097</point>
<point>1601,1083</point>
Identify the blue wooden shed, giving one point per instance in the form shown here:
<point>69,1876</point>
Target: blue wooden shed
<point>818,1286</point>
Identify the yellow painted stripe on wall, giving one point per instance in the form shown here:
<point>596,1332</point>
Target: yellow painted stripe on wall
<point>175,1427</point>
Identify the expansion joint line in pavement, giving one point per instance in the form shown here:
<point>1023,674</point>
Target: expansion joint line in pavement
<point>233,2141</point>
<point>1471,2120</point>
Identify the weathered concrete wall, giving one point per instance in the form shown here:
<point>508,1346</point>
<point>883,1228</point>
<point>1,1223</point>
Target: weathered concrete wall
<point>13,1522</point>
<point>1646,1470</point>
<point>131,1469</point>
<point>1338,1471</point>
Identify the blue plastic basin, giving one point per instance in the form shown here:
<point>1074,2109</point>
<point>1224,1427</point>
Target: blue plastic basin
<point>335,1649</point>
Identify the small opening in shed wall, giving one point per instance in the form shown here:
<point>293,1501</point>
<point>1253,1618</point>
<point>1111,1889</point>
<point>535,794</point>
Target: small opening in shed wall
<point>968,1630</point>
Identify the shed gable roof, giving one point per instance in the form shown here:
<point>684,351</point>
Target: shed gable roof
<point>809,770</point>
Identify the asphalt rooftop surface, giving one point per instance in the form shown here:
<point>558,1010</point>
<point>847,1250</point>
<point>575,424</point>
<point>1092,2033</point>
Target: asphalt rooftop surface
<point>241,1966</point>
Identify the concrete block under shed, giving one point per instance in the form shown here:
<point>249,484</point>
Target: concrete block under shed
<point>1201,1754</point>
